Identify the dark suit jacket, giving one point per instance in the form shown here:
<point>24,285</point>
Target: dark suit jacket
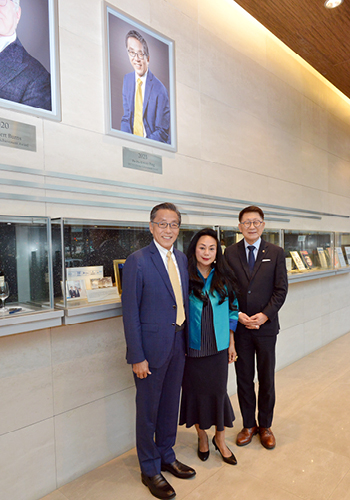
<point>149,306</point>
<point>266,289</point>
<point>23,79</point>
<point>156,110</point>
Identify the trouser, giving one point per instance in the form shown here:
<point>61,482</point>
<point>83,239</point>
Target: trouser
<point>157,407</point>
<point>248,346</point>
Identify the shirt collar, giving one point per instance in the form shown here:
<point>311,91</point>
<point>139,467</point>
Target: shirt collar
<point>143,78</point>
<point>6,40</point>
<point>161,249</point>
<point>256,244</point>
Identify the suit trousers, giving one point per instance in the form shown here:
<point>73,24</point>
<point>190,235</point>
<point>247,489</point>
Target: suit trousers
<point>157,408</point>
<point>249,345</point>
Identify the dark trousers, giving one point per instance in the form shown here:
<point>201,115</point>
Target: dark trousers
<point>157,408</point>
<point>248,346</point>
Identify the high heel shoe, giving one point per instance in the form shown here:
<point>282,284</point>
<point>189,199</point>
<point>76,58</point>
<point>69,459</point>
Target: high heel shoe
<point>229,460</point>
<point>203,455</point>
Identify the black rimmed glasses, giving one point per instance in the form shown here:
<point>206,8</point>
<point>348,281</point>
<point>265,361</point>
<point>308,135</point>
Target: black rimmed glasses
<point>248,223</point>
<point>132,54</point>
<point>164,225</point>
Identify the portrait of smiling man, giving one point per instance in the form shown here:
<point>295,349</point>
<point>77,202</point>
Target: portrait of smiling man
<point>145,98</point>
<point>155,309</point>
<point>23,79</point>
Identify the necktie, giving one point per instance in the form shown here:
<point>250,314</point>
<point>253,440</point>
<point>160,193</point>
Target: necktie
<point>251,258</point>
<point>138,124</point>
<point>174,279</point>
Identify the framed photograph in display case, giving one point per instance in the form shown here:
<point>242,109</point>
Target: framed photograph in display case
<point>140,81</point>
<point>29,66</point>
<point>118,273</point>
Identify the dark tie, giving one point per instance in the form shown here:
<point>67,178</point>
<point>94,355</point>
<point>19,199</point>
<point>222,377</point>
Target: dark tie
<point>251,258</point>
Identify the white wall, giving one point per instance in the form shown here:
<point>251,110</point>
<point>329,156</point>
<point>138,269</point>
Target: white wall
<point>255,123</point>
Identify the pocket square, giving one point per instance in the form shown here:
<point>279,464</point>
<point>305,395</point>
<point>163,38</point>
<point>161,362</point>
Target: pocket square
<point>266,260</point>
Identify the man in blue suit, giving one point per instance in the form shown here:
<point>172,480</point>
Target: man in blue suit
<point>22,78</point>
<point>154,111</point>
<point>155,307</point>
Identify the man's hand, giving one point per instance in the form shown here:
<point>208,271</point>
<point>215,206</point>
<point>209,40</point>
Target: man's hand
<point>141,370</point>
<point>252,322</point>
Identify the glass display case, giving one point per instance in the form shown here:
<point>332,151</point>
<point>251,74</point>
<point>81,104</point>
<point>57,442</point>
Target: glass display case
<point>342,250</point>
<point>309,252</point>
<point>25,273</point>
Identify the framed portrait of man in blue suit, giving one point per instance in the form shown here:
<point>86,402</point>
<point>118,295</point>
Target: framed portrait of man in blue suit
<point>29,80</point>
<point>140,82</point>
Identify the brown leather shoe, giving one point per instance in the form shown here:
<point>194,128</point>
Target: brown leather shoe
<point>267,438</point>
<point>246,435</point>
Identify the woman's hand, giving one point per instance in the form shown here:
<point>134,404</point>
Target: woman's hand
<point>232,354</point>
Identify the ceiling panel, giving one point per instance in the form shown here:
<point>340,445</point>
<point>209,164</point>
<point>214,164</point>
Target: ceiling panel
<point>320,36</point>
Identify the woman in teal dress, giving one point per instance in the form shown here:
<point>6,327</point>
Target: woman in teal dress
<point>212,322</point>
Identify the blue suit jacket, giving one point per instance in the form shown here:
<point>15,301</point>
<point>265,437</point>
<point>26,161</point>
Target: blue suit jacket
<point>23,79</point>
<point>156,110</point>
<point>149,306</point>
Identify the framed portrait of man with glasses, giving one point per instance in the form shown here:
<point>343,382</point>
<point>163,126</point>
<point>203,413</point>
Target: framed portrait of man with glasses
<point>140,82</point>
<point>29,74</point>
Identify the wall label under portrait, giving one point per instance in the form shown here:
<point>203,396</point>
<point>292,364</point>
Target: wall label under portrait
<point>17,135</point>
<point>140,160</point>
<point>29,57</point>
<point>140,82</point>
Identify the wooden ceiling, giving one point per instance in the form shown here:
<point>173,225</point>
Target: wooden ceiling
<point>320,36</point>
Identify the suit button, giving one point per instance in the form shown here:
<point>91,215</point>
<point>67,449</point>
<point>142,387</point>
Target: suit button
<point>174,306</point>
<point>172,324</point>
<point>249,291</point>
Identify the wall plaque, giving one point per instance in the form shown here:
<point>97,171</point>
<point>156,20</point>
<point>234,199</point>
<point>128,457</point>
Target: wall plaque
<point>17,135</point>
<point>140,160</point>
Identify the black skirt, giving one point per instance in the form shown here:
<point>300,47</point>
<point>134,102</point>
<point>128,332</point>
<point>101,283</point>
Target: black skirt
<point>204,392</point>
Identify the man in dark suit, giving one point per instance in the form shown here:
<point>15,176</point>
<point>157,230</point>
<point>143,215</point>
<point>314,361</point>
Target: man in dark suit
<point>262,279</point>
<point>155,307</point>
<point>22,78</point>
<point>150,116</point>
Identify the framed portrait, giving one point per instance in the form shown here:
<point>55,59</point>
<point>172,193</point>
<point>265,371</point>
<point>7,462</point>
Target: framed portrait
<point>29,63</point>
<point>118,273</point>
<point>140,81</point>
<point>75,290</point>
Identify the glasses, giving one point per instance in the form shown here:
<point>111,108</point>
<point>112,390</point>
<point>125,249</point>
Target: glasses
<point>164,225</point>
<point>140,55</point>
<point>256,223</point>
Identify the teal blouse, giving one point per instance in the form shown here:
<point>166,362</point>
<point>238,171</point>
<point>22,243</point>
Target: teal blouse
<point>224,318</point>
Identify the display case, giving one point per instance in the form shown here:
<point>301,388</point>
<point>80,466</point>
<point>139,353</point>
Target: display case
<point>342,250</point>
<point>26,275</point>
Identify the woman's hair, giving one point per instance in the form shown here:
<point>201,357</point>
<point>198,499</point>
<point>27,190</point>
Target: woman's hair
<point>224,280</point>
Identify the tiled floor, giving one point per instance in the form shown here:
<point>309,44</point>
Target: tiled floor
<point>311,460</point>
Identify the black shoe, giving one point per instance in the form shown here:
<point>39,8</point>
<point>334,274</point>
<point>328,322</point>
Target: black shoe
<point>179,470</point>
<point>229,460</point>
<point>203,455</point>
<point>158,486</point>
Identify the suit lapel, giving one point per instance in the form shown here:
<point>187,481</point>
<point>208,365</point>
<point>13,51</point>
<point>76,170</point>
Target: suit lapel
<point>11,62</point>
<point>243,257</point>
<point>263,251</point>
<point>149,84</point>
<point>159,264</point>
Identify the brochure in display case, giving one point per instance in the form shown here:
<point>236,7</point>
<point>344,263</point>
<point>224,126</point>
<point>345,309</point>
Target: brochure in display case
<point>297,260</point>
<point>340,255</point>
<point>89,283</point>
<point>306,259</point>
<point>347,251</point>
<point>322,257</point>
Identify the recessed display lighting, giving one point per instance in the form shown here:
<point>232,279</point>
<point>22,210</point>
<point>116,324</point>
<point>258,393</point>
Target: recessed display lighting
<point>332,4</point>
